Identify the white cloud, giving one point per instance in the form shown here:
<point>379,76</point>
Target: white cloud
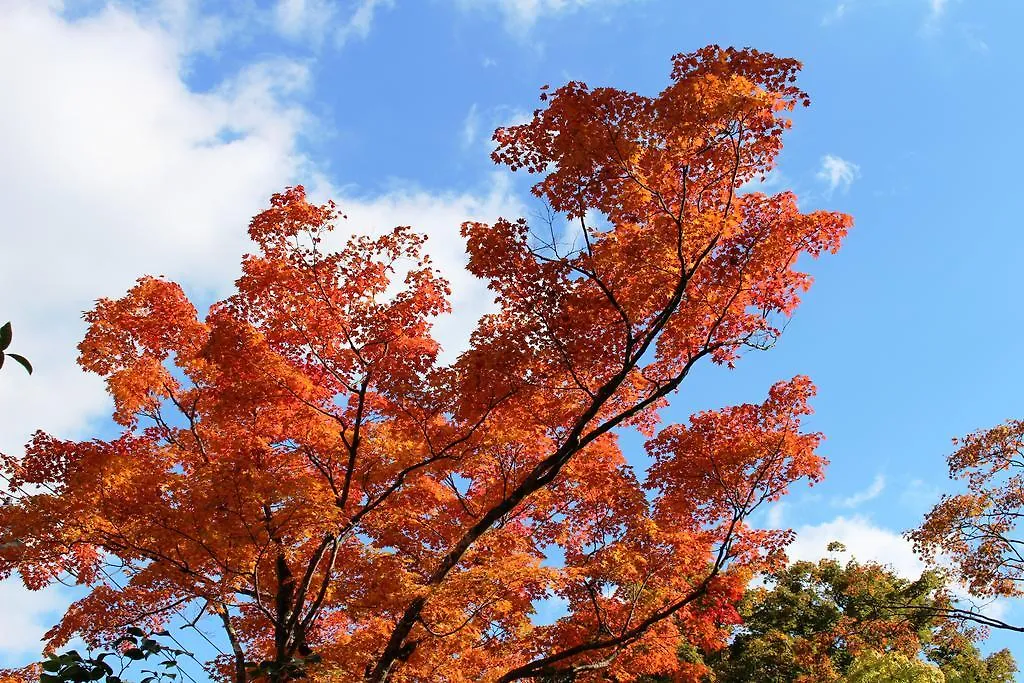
<point>477,126</point>
<point>863,540</point>
<point>120,170</point>
<point>837,173</point>
<point>870,493</point>
<point>311,21</point>
<point>775,516</point>
<point>439,216</point>
<point>26,616</point>
<point>115,169</point>
<point>303,19</point>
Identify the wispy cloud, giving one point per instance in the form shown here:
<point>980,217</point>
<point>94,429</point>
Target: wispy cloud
<point>937,11</point>
<point>361,20</point>
<point>773,180</point>
<point>304,19</point>
<point>311,21</point>
<point>480,122</point>
<point>776,515</point>
<point>934,11</point>
<point>870,493</point>
<point>835,14</point>
<point>837,173</point>
<point>470,127</point>
<point>919,495</point>
<point>521,15</point>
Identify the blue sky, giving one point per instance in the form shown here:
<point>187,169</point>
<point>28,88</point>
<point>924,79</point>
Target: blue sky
<point>140,136</point>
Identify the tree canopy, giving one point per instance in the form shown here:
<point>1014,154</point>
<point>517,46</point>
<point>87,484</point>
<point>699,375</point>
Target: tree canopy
<point>835,621</point>
<point>977,528</point>
<point>298,466</point>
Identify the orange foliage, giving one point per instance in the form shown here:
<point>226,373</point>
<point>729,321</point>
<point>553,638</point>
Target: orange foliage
<point>978,529</point>
<point>298,463</point>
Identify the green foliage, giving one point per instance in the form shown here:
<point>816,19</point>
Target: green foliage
<point>112,666</point>
<point>830,621</point>
<point>6,334</point>
<point>892,667</point>
<point>963,663</point>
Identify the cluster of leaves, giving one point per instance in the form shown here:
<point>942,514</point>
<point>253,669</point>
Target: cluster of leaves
<point>135,648</point>
<point>298,465</point>
<point>6,334</point>
<point>896,667</point>
<point>852,621</point>
<point>978,529</point>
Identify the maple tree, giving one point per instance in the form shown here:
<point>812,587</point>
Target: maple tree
<point>297,464</point>
<point>977,529</point>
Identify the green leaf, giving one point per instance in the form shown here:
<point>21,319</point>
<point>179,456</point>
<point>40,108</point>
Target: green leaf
<point>136,631</point>
<point>75,672</point>
<point>135,653</point>
<point>50,678</point>
<point>5,336</point>
<point>21,359</point>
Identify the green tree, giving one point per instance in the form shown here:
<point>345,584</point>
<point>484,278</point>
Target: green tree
<point>961,662</point>
<point>835,621</point>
